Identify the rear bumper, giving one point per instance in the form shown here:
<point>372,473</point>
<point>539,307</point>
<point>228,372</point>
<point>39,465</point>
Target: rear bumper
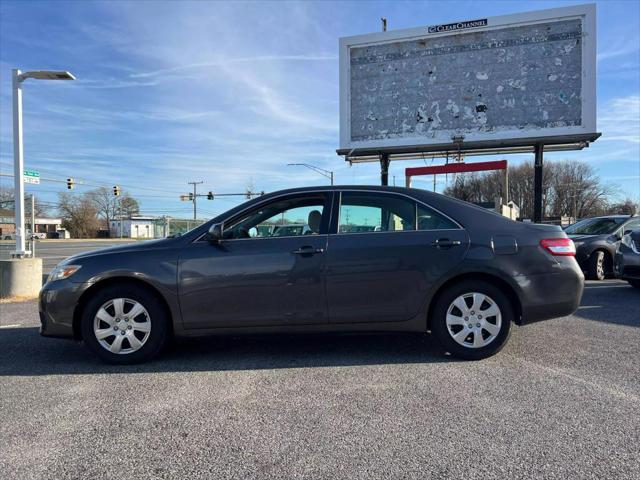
<point>552,295</point>
<point>57,304</point>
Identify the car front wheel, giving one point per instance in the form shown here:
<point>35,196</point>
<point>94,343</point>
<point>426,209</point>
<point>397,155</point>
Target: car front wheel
<point>124,325</point>
<point>472,320</point>
<point>596,266</point>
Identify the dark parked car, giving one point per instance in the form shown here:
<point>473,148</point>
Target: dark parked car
<point>421,262</point>
<point>627,261</point>
<point>596,241</point>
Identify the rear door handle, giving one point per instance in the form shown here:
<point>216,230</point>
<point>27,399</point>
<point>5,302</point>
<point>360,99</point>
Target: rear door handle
<point>307,250</point>
<point>445,243</point>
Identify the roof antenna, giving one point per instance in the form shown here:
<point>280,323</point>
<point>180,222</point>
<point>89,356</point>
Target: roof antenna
<point>384,24</point>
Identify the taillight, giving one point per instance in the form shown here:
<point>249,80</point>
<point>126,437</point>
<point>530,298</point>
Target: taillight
<point>562,247</point>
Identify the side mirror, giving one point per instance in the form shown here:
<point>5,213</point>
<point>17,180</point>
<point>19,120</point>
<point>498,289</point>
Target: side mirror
<point>215,232</point>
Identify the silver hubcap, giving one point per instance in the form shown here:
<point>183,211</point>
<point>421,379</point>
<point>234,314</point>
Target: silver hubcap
<point>122,325</point>
<point>600,266</point>
<point>474,320</point>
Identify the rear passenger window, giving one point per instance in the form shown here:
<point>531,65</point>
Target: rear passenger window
<point>429,219</point>
<point>375,212</point>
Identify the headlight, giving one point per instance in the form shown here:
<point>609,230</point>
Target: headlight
<point>628,241</point>
<point>63,271</point>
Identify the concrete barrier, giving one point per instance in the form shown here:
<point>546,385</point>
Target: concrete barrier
<point>20,277</point>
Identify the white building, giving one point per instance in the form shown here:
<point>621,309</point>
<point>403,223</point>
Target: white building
<point>136,226</point>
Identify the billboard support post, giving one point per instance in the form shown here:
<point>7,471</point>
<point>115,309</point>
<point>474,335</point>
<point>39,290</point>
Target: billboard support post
<point>384,169</point>
<point>538,214</point>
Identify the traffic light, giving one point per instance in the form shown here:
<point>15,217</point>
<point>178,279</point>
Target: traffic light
<point>70,183</point>
<point>116,190</point>
<point>191,197</point>
<point>210,196</point>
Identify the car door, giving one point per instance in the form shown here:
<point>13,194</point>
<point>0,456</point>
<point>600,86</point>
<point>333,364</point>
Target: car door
<point>385,253</point>
<point>266,270</point>
<point>630,226</point>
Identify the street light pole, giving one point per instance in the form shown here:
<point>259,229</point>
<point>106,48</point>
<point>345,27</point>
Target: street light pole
<point>17,78</point>
<point>321,171</point>
<point>18,163</point>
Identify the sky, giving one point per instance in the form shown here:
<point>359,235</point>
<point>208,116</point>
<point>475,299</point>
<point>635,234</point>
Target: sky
<point>230,93</point>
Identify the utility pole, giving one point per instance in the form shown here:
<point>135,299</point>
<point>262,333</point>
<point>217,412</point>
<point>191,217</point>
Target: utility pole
<point>33,225</point>
<point>195,197</point>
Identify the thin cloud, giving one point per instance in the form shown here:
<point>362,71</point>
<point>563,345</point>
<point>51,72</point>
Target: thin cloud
<point>618,50</point>
<point>619,119</point>
<point>224,62</point>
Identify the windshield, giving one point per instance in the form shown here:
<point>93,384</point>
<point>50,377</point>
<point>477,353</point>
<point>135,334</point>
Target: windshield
<point>595,226</point>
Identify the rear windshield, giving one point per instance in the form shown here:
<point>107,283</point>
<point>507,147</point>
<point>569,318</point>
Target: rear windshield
<point>595,226</point>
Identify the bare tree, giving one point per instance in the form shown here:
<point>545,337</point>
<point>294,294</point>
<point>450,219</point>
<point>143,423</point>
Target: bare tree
<point>129,205</point>
<point>626,207</point>
<point>577,191</point>
<point>79,214</point>
<point>105,203</point>
<point>570,188</point>
<point>109,206</point>
<point>7,197</point>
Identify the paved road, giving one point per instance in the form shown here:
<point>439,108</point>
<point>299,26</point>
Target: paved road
<point>560,401</point>
<point>53,251</point>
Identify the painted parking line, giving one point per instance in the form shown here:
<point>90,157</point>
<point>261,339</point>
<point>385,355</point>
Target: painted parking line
<point>606,286</point>
<point>13,325</point>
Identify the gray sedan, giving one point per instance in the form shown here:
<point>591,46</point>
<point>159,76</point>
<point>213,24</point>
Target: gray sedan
<point>347,259</point>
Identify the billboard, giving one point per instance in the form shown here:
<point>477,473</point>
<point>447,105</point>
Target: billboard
<point>523,76</point>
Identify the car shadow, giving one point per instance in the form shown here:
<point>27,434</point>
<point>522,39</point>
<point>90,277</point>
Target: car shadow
<point>611,301</point>
<point>24,352</point>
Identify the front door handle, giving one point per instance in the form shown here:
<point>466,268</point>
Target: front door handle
<point>445,243</point>
<point>307,250</point>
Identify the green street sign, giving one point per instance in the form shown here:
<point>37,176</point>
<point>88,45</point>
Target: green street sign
<point>31,176</point>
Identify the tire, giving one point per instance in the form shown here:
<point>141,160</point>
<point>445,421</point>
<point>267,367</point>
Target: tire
<point>596,266</point>
<point>489,342</point>
<point>634,283</point>
<point>138,338</point>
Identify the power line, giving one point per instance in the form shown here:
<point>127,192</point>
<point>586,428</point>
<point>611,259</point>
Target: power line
<point>83,182</point>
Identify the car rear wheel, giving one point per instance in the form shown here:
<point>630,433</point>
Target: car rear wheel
<point>596,266</point>
<point>124,325</point>
<point>472,320</point>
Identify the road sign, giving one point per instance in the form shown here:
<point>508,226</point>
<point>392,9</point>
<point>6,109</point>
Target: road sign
<point>31,176</point>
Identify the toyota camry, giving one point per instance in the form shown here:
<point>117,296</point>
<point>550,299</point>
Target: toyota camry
<point>322,259</point>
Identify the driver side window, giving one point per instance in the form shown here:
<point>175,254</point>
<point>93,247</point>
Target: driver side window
<point>288,217</point>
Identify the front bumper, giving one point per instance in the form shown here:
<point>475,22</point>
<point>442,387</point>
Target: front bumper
<point>57,304</point>
<point>551,295</point>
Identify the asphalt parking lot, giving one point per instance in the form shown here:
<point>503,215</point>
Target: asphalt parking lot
<point>560,401</point>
